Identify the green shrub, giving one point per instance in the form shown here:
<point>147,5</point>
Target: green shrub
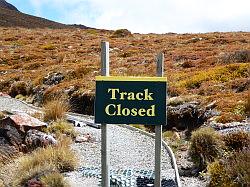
<point>241,56</point>
<point>48,47</point>
<point>233,171</point>
<point>218,176</point>
<point>206,146</point>
<point>237,140</point>
<point>121,33</point>
<point>217,74</point>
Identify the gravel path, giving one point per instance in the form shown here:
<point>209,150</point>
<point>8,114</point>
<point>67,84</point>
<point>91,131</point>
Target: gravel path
<point>128,150</point>
<point>10,104</point>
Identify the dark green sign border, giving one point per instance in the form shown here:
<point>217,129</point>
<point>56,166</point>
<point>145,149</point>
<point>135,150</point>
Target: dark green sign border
<point>130,100</point>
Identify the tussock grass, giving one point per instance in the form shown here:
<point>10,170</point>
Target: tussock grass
<point>54,180</point>
<point>45,164</point>
<point>61,127</point>
<point>23,176</point>
<point>55,109</point>
<point>19,87</point>
<point>60,157</point>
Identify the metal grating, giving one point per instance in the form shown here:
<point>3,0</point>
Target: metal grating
<point>127,178</point>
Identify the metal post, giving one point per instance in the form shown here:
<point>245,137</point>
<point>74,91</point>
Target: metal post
<point>104,129</point>
<point>158,130</point>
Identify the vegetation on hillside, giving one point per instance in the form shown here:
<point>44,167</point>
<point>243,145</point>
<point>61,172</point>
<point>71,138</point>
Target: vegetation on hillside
<point>214,66</point>
<point>225,158</point>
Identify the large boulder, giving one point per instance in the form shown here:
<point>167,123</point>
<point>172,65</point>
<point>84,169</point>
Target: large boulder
<point>22,131</point>
<point>9,134</point>
<point>188,116</point>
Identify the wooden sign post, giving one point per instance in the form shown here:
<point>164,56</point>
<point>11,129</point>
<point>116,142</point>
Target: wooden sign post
<point>130,100</point>
<point>104,128</point>
<point>158,128</point>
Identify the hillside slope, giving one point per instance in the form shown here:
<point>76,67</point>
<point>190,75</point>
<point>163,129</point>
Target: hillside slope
<point>11,17</point>
<point>204,67</point>
<point>6,5</point>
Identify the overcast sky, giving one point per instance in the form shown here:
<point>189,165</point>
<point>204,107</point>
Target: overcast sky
<point>145,16</point>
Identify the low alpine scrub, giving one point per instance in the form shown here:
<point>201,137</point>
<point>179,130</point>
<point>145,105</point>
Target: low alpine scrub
<point>206,146</point>
<point>232,171</point>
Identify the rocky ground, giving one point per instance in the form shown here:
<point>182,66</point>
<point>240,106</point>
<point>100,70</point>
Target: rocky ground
<point>129,150</point>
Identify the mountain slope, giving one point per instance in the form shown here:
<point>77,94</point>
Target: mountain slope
<point>11,17</point>
<point>6,5</point>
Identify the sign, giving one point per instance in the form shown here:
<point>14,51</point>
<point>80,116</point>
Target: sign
<point>130,100</point>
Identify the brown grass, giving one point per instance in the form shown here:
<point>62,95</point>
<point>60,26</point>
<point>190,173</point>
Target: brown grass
<point>61,127</point>
<point>23,176</point>
<point>60,157</point>
<point>2,115</point>
<point>25,57</point>
<point>46,164</point>
<point>54,180</point>
<point>55,110</point>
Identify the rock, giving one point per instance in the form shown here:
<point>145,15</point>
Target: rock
<point>85,138</point>
<point>231,127</point>
<point>35,138</point>
<point>53,78</point>
<point>25,122</point>
<point>83,103</point>
<point>21,128</point>
<point>4,95</point>
<point>10,134</point>
<point>188,116</point>
<point>39,94</point>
